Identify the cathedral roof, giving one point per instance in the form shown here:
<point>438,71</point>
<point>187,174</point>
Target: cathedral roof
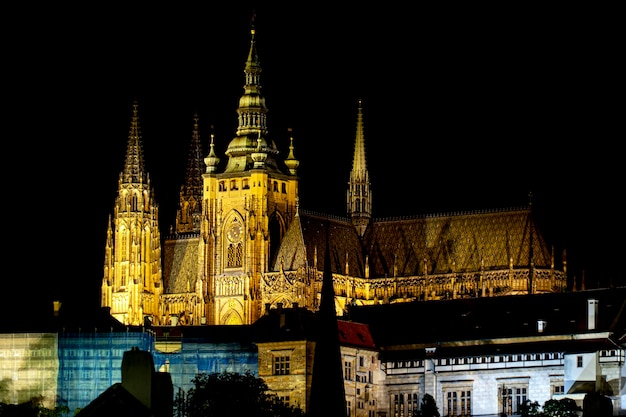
<point>457,242</point>
<point>305,242</point>
<point>436,244</point>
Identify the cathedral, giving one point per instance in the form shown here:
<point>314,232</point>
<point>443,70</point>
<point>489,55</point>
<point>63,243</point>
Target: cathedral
<point>241,244</point>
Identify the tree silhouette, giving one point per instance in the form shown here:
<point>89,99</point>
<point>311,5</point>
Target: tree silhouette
<point>32,408</point>
<point>231,393</point>
<point>429,408</point>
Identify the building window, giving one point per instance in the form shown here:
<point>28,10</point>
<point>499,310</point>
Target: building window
<point>398,405</point>
<point>558,388</point>
<point>512,397</point>
<point>284,188</point>
<point>222,186</point>
<point>281,365</point>
<point>347,370</point>
<point>413,405</point>
<point>458,402</point>
<point>579,361</point>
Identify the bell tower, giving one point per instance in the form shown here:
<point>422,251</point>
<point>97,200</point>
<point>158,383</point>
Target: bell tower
<point>247,207</point>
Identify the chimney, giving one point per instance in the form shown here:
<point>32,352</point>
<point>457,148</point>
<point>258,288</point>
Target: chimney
<point>541,325</point>
<point>56,306</point>
<point>592,313</point>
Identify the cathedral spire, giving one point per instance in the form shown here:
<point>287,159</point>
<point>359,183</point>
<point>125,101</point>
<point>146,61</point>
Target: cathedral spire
<point>252,111</point>
<point>252,127</point>
<point>359,196</point>
<point>134,166</point>
<point>190,204</point>
<point>132,282</point>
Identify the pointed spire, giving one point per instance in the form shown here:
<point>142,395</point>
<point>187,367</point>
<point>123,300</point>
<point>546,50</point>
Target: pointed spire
<point>359,195</point>
<point>190,204</point>
<point>252,110</point>
<point>134,165</point>
<point>328,396</point>
<point>252,118</point>
<point>195,165</point>
<point>359,166</point>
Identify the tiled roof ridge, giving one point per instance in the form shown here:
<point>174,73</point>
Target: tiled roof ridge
<point>451,214</point>
<point>324,216</point>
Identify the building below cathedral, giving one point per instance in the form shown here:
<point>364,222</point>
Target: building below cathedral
<point>474,356</point>
<point>241,242</point>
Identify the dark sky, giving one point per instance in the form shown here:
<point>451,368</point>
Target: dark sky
<point>466,108</point>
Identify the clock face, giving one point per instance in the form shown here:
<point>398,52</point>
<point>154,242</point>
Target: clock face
<point>234,232</point>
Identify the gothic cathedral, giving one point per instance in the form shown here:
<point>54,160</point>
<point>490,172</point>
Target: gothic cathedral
<point>241,244</point>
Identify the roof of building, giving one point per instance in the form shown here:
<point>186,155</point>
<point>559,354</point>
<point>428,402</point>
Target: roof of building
<point>472,326</point>
<point>435,244</point>
<point>115,401</point>
<point>355,334</point>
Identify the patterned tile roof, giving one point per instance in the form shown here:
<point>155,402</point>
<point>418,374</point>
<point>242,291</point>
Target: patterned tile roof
<point>465,242</point>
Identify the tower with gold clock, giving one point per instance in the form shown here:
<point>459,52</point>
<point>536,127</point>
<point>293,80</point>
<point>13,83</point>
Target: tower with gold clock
<point>247,207</point>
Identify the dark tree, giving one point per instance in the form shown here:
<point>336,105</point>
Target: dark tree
<point>221,394</point>
<point>429,408</point>
<point>565,407</point>
<point>32,408</point>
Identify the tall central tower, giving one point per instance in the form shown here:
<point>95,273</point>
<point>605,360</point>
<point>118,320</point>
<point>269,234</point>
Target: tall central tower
<point>247,208</point>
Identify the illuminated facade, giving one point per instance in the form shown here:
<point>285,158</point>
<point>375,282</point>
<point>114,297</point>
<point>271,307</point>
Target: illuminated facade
<point>241,242</point>
<point>132,282</point>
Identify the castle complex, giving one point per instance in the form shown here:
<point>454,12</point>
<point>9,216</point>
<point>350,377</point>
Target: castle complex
<point>352,313</point>
<point>242,244</point>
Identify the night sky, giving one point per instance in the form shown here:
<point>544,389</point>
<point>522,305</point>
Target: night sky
<point>467,108</point>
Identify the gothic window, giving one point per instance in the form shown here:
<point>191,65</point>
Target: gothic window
<point>234,257</point>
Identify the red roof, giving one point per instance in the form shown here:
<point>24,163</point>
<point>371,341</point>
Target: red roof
<point>355,334</point>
